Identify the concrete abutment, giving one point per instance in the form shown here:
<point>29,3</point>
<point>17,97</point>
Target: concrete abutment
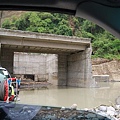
<point>75,69</point>
<point>80,69</point>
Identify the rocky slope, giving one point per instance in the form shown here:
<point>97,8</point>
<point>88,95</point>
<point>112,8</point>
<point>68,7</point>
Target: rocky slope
<point>106,67</point>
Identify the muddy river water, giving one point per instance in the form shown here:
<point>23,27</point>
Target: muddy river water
<point>105,94</point>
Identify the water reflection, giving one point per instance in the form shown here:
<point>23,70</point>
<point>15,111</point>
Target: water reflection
<point>66,96</point>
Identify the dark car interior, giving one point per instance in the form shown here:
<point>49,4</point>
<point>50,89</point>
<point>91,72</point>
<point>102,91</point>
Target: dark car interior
<point>105,13</point>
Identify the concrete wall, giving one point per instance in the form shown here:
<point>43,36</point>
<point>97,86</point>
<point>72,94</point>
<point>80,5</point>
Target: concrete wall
<point>88,67</point>
<point>62,69</point>
<point>80,69</point>
<point>29,63</point>
<point>52,68</point>
<point>43,66</point>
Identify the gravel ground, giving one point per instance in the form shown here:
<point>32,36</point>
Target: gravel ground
<point>52,113</point>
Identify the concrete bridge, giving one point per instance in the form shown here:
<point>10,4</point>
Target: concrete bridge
<point>74,54</point>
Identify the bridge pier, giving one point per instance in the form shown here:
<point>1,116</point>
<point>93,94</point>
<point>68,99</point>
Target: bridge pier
<point>75,69</point>
<point>80,69</point>
<point>62,69</point>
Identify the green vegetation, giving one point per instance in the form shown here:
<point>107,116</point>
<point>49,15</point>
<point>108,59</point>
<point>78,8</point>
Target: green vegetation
<point>104,44</point>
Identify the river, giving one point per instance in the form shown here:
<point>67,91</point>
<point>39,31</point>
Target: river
<point>104,94</point>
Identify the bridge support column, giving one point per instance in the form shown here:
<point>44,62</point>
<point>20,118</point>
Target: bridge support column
<point>80,69</point>
<point>52,68</point>
<point>62,69</point>
<point>7,57</point>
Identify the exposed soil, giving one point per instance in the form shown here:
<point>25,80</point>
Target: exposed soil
<point>106,67</point>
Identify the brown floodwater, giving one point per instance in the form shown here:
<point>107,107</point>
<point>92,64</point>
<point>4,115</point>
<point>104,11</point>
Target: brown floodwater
<point>105,93</point>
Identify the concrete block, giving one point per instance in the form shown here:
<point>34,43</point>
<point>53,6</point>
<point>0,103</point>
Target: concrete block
<point>101,78</point>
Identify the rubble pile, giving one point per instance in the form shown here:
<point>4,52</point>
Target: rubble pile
<point>101,112</point>
<point>111,112</point>
<point>53,113</point>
